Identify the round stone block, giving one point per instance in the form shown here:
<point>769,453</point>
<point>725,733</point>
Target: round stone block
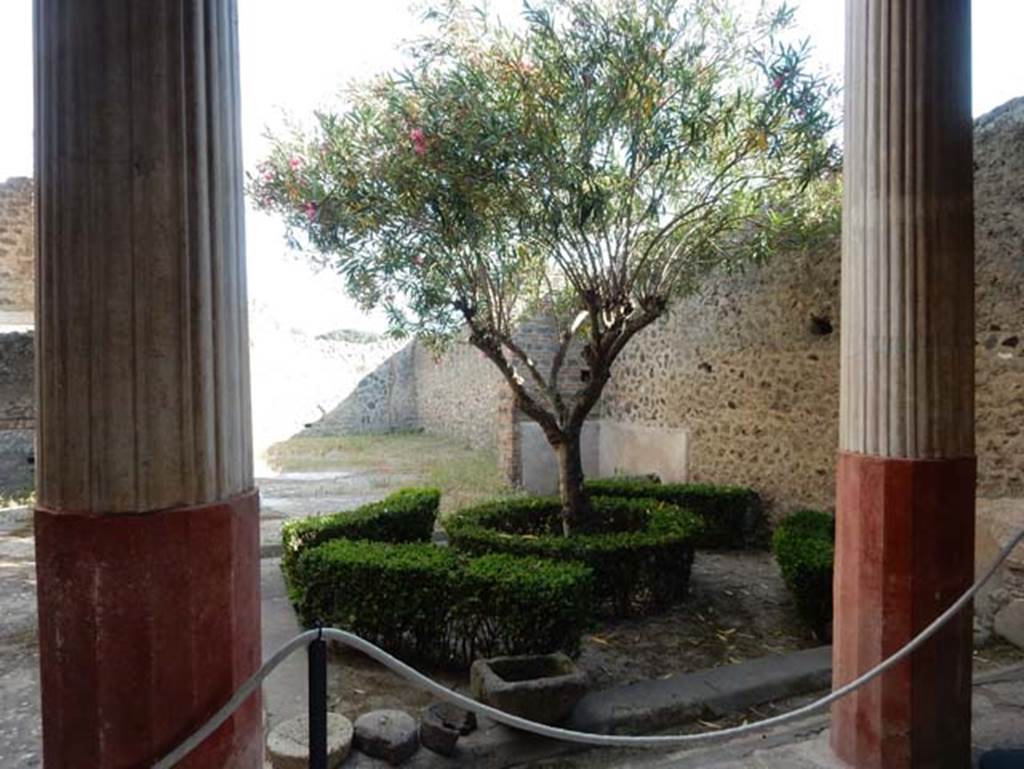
<point>388,734</point>
<point>288,743</point>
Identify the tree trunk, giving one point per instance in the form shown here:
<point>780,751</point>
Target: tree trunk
<point>575,505</point>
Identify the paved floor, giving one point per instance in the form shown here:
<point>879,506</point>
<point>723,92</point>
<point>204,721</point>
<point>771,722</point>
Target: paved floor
<point>998,713</point>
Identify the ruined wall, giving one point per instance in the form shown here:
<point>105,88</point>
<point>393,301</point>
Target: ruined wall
<point>999,299</point>
<point>383,401</point>
<point>750,370</point>
<point>999,359</point>
<point>462,394</point>
<point>750,367</point>
<point>17,413</point>
<point>17,291</point>
<point>459,394</point>
<point>17,244</point>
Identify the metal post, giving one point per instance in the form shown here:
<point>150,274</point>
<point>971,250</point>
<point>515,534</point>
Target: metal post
<point>317,651</point>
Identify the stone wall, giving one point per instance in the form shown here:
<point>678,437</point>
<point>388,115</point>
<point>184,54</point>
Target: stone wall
<point>383,401</point>
<point>17,244</point>
<point>750,367</point>
<point>459,394</point>
<point>17,413</point>
<point>17,295</point>
<point>999,295</point>
<point>999,298</point>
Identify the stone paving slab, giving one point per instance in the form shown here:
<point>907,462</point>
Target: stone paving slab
<point>647,706</point>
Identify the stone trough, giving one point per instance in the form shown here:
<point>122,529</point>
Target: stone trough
<point>543,688</point>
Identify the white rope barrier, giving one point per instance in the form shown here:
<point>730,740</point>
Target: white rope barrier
<point>557,733</point>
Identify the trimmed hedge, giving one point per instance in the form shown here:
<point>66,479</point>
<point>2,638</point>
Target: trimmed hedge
<point>407,515</point>
<point>641,557</point>
<point>733,516</point>
<point>804,545</point>
<point>432,604</point>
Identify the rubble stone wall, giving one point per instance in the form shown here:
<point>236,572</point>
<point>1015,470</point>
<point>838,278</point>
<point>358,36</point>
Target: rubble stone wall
<point>17,245</point>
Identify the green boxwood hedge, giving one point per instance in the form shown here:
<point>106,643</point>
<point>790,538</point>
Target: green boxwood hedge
<point>733,515</point>
<point>435,605</point>
<point>407,515</point>
<point>641,557</point>
<point>804,545</point>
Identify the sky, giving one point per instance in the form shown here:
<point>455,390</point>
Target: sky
<point>296,55</point>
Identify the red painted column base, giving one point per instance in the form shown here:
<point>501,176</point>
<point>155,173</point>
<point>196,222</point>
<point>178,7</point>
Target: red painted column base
<point>147,624</point>
<point>904,553</point>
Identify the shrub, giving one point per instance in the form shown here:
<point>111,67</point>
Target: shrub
<point>393,595</point>
<point>407,515</point>
<point>733,515</point>
<point>641,556</point>
<point>804,545</point>
<point>435,605</point>
<point>524,605</point>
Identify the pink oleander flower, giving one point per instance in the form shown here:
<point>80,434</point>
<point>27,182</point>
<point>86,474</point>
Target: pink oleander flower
<point>295,163</point>
<point>268,175</point>
<point>778,82</point>
<point>418,260</point>
<point>419,141</point>
<point>311,209</point>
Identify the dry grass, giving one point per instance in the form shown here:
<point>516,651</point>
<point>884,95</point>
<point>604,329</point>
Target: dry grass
<point>465,475</point>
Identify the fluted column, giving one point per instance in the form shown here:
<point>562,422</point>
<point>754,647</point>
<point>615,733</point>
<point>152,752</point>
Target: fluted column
<point>147,525</point>
<point>905,480</point>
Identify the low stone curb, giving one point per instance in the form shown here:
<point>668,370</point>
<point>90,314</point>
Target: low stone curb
<point>647,706</point>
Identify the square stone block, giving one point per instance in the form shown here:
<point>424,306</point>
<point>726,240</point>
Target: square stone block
<point>542,688</point>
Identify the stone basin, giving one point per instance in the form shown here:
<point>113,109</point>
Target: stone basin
<point>542,687</point>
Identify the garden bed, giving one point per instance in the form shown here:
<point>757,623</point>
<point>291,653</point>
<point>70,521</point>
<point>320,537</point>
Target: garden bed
<point>375,572</point>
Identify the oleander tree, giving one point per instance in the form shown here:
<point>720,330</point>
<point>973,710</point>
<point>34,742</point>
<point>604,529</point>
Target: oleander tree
<point>595,162</point>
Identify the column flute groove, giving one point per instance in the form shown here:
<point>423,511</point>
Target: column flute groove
<point>168,351</point>
<point>908,322</point>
